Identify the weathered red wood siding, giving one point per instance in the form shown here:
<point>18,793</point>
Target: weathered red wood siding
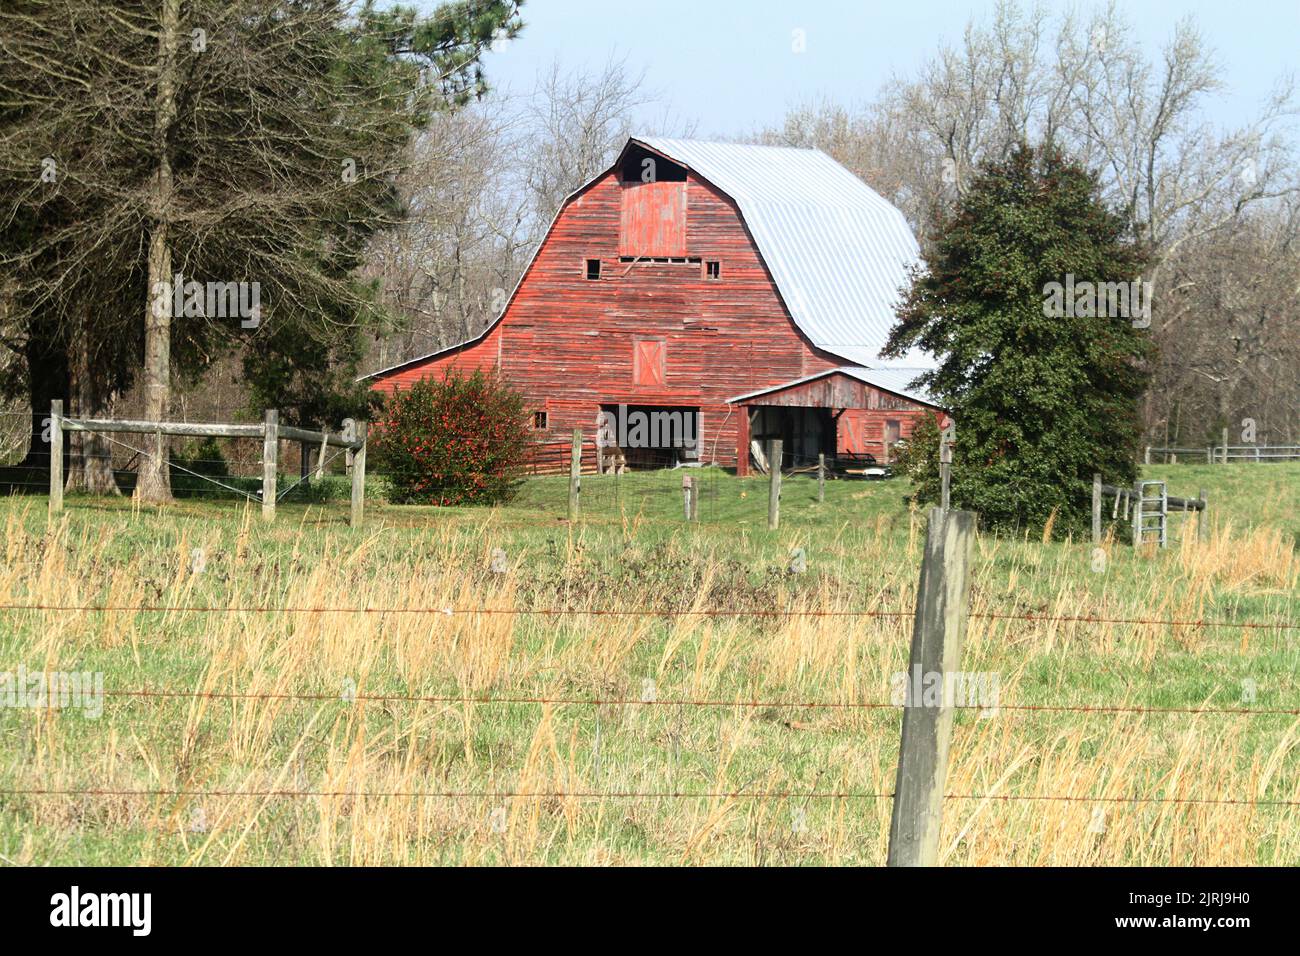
<point>569,343</point>
<point>867,410</point>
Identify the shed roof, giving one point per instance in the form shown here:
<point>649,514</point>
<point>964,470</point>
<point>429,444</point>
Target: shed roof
<point>894,380</point>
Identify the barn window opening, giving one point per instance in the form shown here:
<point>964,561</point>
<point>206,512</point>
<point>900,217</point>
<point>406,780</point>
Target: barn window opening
<point>674,260</point>
<point>640,165</point>
<point>593,269</point>
<point>713,269</point>
<point>539,421</point>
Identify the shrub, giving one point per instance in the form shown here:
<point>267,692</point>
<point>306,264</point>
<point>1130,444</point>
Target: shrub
<point>917,459</point>
<point>457,440</point>
<point>202,456</point>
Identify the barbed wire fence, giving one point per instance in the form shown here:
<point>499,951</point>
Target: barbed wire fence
<point>917,798</point>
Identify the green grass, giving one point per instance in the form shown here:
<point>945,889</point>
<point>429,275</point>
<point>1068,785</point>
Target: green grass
<point>629,551</point>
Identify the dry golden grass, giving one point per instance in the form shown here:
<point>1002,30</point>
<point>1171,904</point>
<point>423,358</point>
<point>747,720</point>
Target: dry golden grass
<point>466,780</point>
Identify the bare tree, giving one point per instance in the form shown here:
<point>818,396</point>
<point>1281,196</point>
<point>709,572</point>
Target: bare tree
<point>240,141</point>
<point>1082,84</point>
<point>482,188</point>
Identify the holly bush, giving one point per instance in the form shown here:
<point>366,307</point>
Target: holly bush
<point>454,440</point>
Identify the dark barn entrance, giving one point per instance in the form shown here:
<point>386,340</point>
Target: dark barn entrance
<point>649,436</point>
<point>804,432</point>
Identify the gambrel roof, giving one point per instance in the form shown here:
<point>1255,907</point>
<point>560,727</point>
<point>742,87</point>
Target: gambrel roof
<point>837,250</point>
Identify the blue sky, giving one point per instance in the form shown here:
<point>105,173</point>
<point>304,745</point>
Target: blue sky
<point>728,65</point>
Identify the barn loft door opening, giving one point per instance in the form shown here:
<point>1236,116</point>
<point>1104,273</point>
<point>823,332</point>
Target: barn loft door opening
<point>649,362</point>
<point>653,218</point>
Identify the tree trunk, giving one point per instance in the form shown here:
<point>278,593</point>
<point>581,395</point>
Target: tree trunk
<point>89,465</point>
<point>47,379</point>
<point>154,482</point>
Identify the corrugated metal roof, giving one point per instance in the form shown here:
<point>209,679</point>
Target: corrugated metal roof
<point>838,251</point>
<point>896,380</point>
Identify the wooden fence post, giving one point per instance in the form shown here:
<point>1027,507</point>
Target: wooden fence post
<point>56,456</point>
<point>774,455</point>
<point>687,482</point>
<point>938,631</point>
<point>1137,514</point>
<point>270,461</point>
<point>359,476</point>
<point>946,440</point>
<point>1202,517</point>
<point>1096,508</point>
<point>821,477</point>
<point>575,474</point>
<point>1225,446</point>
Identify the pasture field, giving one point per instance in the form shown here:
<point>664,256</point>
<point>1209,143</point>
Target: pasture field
<point>636,690</point>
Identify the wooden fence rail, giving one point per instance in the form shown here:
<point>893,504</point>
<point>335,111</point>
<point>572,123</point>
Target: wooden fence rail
<point>270,431</point>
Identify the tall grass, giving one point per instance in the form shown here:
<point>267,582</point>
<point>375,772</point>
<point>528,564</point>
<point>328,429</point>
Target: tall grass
<point>694,702</point>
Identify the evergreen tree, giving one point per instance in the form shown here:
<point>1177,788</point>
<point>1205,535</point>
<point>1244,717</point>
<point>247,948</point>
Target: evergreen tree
<point>1040,360</point>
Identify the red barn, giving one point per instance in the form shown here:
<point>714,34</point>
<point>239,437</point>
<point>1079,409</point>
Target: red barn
<point>697,298</point>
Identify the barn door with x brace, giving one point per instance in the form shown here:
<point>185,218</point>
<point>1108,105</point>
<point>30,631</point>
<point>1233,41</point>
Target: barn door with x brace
<point>648,365</point>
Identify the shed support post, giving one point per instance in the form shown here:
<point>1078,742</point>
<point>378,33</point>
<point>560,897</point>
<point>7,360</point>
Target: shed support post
<point>742,442</point>
<point>774,454</point>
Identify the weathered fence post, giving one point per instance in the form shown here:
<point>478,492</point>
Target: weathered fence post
<point>946,440</point>
<point>938,631</point>
<point>821,477</point>
<point>1096,508</point>
<point>774,453</point>
<point>686,494</point>
<point>1137,513</point>
<point>320,455</point>
<point>1225,446</point>
<point>575,474</point>
<point>56,456</point>
<point>359,476</point>
<point>1146,457</point>
<point>270,461</point>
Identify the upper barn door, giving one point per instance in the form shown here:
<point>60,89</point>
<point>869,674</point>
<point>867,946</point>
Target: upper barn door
<point>653,219</point>
<point>649,362</point>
